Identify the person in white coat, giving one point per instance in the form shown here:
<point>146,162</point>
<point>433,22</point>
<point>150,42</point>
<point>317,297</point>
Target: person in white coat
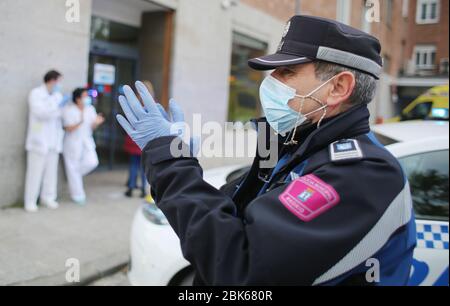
<point>43,143</point>
<point>80,119</point>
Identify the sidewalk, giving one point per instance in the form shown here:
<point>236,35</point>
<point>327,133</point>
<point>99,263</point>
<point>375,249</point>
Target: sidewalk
<point>34,247</point>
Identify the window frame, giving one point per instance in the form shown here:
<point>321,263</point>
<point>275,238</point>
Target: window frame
<point>428,5</point>
<point>250,42</point>
<point>430,60</point>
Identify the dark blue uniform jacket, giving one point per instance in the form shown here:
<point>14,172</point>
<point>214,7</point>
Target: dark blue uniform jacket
<point>309,221</point>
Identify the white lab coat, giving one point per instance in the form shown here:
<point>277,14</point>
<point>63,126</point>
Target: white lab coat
<point>45,131</point>
<point>43,145</point>
<point>80,156</point>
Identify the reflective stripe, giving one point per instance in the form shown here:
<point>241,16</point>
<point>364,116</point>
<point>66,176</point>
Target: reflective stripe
<point>279,62</point>
<point>397,215</point>
<point>349,59</point>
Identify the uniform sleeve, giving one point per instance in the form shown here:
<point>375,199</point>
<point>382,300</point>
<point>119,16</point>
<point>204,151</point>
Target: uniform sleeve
<point>272,245</point>
<point>44,108</point>
<point>203,218</point>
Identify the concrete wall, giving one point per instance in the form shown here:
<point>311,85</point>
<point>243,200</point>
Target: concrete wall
<point>35,37</point>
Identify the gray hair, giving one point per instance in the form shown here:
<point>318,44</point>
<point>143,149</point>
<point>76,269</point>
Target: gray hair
<point>365,86</point>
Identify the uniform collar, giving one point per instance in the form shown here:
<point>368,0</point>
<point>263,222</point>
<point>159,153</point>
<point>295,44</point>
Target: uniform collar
<point>349,124</point>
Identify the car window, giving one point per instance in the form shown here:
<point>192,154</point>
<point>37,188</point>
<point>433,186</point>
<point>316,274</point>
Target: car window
<point>428,177</point>
<point>421,111</point>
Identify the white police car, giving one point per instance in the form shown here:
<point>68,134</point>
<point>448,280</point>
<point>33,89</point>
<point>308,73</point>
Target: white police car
<point>422,148</point>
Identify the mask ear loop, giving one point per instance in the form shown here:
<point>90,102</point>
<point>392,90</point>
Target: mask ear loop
<point>323,116</point>
<point>324,107</point>
<point>292,135</point>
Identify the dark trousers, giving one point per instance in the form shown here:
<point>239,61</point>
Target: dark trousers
<point>134,170</point>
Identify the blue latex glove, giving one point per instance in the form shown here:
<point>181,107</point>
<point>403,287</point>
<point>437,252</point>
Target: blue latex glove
<point>150,122</point>
<point>194,141</point>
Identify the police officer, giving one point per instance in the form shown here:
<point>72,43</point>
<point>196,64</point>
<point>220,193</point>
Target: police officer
<point>336,207</point>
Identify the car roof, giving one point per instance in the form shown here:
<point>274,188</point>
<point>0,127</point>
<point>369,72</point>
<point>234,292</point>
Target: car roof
<point>413,130</point>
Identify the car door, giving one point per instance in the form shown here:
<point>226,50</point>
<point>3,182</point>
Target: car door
<point>428,174</point>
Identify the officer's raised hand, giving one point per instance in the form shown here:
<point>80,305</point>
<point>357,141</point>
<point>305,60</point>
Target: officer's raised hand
<point>149,121</point>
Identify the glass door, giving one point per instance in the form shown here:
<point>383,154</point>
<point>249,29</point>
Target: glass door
<point>116,73</point>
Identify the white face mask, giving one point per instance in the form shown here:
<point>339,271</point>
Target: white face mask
<point>275,97</point>
<point>87,101</point>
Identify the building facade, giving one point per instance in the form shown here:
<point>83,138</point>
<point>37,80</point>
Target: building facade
<point>183,46</point>
<point>413,33</point>
<point>195,51</point>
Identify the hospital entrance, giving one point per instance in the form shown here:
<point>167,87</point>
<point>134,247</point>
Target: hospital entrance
<point>121,53</point>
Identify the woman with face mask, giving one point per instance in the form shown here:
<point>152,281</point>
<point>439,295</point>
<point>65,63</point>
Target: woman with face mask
<point>80,119</point>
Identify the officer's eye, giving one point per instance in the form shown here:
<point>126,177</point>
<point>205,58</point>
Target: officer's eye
<point>284,71</point>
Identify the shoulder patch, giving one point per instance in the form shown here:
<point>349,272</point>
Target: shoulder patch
<point>308,197</point>
<point>345,151</point>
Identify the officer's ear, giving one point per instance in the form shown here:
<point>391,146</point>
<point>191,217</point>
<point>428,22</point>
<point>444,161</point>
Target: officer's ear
<point>341,88</point>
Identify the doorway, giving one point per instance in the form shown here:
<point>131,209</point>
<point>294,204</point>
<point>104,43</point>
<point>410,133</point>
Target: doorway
<point>120,54</point>
<point>109,137</point>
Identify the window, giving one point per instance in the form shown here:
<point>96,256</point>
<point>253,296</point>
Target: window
<point>443,67</point>
<point>428,177</point>
<point>421,111</point>
<point>425,57</point>
<point>428,11</point>
<point>113,32</point>
<point>244,82</point>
